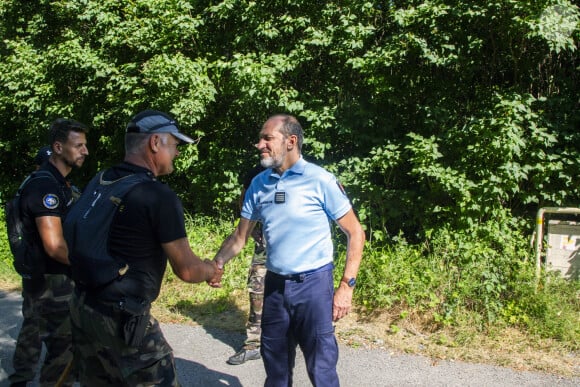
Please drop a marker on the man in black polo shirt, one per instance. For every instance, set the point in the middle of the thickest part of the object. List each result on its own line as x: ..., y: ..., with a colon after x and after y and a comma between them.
x: 115, y: 337
x: 45, y: 308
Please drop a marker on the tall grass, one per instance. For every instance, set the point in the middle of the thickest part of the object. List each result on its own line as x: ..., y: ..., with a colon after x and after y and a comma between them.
x: 484, y: 279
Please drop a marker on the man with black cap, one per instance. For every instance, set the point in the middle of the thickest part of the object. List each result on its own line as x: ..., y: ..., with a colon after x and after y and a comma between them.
x: 44, y: 203
x: 112, y: 343
x: 42, y: 156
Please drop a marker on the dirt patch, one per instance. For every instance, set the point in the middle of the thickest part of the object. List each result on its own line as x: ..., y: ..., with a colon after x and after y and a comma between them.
x: 508, y: 348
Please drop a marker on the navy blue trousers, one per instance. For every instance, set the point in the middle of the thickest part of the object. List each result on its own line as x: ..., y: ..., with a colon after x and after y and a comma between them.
x: 298, y: 311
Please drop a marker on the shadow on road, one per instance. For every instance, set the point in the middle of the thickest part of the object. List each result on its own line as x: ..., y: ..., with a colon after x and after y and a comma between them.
x: 203, y: 376
x: 211, y: 323
x: 191, y: 373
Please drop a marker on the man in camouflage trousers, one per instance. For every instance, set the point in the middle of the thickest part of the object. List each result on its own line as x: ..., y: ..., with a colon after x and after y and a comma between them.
x: 30, y: 348
x: 45, y: 306
x: 53, y: 301
x: 256, y: 275
x: 117, y: 342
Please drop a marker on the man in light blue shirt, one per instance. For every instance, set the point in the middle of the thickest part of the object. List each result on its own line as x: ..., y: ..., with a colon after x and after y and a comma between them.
x: 295, y: 201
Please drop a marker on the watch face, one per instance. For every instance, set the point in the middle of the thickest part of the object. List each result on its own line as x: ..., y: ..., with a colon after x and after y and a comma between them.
x: 352, y: 282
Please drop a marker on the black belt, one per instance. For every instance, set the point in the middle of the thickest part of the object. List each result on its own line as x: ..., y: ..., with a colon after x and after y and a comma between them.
x: 301, y: 276
x: 106, y: 307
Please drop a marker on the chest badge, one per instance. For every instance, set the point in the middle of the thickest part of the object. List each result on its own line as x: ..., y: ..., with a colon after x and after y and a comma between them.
x: 280, y: 197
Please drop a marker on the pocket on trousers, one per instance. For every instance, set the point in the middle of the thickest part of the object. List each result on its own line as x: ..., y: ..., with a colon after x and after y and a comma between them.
x: 134, y: 329
x: 328, y: 350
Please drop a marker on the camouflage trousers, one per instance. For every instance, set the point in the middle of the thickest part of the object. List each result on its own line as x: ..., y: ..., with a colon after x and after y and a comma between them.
x: 104, y: 359
x: 256, y: 275
x: 46, y: 320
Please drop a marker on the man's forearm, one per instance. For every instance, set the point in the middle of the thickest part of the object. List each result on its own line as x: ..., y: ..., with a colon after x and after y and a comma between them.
x: 59, y: 254
x: 354, y: 251
x: 229, y: 249
x: 352, y: 265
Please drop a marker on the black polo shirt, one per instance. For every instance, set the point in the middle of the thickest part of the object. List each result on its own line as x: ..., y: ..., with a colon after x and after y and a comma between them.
x: 45, y: 197
x: 151, y: 214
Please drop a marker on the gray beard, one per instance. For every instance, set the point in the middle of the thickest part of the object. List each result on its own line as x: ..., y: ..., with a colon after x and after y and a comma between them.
x: 270, y: 162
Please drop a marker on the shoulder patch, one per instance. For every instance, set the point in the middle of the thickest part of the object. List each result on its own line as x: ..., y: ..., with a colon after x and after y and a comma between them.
x: 50, y: 201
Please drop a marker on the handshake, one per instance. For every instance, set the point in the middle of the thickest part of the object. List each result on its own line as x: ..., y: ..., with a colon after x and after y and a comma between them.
x: 215, y: 280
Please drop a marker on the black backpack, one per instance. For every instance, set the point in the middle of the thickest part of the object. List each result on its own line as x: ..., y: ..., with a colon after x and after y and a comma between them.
x: 29, y: 257
x: 86, y: 230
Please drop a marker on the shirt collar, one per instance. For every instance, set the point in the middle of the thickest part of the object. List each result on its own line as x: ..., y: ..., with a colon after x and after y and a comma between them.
x: 299, y: 166
x: 48, y: 166
x: 297, y: 169
x: 123, y: 169
x: 133, y: 167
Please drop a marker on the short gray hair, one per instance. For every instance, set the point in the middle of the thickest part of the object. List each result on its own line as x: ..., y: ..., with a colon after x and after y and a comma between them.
x: 290, y: 126
x: 134, y: 142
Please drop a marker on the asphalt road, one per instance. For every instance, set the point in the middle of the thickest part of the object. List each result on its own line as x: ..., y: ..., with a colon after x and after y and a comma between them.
x: 201, y: 354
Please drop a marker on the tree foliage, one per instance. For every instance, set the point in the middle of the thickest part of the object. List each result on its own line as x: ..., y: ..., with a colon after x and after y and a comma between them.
x: 431, y: 113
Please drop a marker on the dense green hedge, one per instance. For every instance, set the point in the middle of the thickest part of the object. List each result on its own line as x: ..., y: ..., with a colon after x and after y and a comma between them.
x: 431, y: 112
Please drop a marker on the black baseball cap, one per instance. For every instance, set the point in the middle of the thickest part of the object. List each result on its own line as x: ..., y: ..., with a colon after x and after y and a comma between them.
x: 42, y: 155
x: 154, y: 121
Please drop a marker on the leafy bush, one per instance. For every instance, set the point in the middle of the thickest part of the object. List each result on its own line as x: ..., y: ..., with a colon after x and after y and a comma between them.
x: 485, y: 277
x: 7, y: 272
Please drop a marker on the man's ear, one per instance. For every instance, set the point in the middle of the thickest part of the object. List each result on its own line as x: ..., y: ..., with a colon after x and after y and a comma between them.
x: 154, y: 143
x: 57, y: 147
x: 292, y: 140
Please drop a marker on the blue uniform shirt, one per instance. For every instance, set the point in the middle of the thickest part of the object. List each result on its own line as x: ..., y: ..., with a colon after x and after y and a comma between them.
x: 295, y: 210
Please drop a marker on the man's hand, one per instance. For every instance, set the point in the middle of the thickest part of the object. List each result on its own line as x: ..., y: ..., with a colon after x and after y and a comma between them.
x: 257, y: 235
x: 342, y: 301
x: 216, y: 280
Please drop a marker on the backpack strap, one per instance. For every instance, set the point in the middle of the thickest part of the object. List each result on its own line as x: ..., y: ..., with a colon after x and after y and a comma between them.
x: 35, y: 175
x: 39, y: 175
